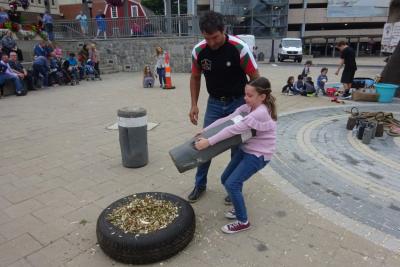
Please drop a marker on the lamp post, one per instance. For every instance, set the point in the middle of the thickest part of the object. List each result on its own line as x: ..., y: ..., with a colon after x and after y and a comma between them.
x: 90, y: 6
x: 179, y: 18
x: 272, y: 58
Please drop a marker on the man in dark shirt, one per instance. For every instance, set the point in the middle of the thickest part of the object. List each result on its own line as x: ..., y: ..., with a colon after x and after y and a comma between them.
x: 25, y: 76
x: 348, y: 59
x: 41, y: 66
x: 225, y: 61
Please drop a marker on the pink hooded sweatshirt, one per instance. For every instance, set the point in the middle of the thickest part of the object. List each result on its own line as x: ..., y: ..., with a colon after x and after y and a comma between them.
x: 263, y: 143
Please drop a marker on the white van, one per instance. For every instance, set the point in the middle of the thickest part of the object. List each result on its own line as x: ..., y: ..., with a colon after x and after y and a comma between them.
x: 250, y: 40
x: 290, y: 48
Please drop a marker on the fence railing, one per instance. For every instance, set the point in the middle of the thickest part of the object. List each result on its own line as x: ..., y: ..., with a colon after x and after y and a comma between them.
x: 127, y: 27
x: 158, y: 26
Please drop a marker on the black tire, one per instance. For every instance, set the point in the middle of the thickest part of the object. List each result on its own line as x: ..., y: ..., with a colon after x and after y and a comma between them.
x: 147, y: 248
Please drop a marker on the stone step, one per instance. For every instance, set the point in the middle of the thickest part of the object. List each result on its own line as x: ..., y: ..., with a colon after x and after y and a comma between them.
x: 107, y: 70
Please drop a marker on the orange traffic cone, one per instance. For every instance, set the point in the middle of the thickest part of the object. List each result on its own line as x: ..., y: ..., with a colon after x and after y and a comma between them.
x: 168, y: 80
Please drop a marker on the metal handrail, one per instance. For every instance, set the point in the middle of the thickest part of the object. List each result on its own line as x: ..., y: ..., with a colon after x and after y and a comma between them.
x: 158, y: 26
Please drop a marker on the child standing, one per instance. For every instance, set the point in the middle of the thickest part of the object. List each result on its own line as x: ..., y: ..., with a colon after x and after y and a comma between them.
x: 95, y: 58
x: 306, y: 69
x: 289, y: 85
x: 160, y: 65
x: 254, y: 154
x: 148, y: 78
x: 321, y: 81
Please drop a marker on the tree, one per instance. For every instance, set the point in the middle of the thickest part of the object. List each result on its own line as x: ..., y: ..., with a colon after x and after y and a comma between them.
x: 157, y: 6
x: 391, y: 72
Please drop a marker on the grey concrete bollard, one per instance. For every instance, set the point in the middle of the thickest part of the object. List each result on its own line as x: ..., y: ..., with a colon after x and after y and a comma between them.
x: 186, y: 156
x: 132, y: 126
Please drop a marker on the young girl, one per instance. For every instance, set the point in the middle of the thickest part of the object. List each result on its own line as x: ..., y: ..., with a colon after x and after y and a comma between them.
x: 289, y: 85
x: 160, y: 65
x: 148, y: 77
x: 94, y: 57
x: 254, y: 154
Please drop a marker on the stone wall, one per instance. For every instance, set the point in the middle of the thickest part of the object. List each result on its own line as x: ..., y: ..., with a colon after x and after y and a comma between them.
x: 134, y: 53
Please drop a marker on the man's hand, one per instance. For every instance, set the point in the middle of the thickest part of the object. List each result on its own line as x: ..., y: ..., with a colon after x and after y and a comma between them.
x: 194, y: 114
x: 21, y: 75
x: 201, y: 144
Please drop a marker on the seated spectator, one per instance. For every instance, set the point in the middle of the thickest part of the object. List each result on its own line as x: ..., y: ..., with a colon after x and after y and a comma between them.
x: 309, y: 87
x: 40, y: 49
x: 148, y: 78
x: 321, y: 81
x: 73, y: 68
x: 39, y: 24
x: 298, y: 87
x: 49, y: 48
x: 41, y: 68
x: 54, y: 70
x: 136, y: 29
x: 15, y: 17
x: 26, y: 77
x: 148, y: 29
x: 3, y: 15
x: 9, y: 44
x: 83, y: 57
x: 58, y: 52
x: 7, y: 73
x: 289, y: 86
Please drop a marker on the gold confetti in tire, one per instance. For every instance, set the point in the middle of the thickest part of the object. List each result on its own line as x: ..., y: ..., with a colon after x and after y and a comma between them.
x: 137, y: 230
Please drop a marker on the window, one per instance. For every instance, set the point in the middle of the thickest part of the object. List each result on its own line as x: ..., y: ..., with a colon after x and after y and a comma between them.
x: 114, y: 12
x: 293, y: 6
x: 134, y: 11
x: 317, y: 5
x: 53, y: 2
x: 32, y: 1
x: 39, y: 2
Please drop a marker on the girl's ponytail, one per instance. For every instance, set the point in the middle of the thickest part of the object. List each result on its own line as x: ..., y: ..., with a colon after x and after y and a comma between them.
x: 271, y: 105
x: 263, y: 86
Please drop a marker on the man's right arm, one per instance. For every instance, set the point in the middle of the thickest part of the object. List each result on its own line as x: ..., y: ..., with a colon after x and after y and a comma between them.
x: 195, y: 83
x: 341, y: 63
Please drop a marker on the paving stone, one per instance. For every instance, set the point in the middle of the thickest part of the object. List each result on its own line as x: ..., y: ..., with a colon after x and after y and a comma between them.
x: 4, y: 203
x: 23, y: 208
x: 49, y: 232
x: 16, y: 227
x: 345, y: 257
x: 17, y: 248
x: 58, y: 197
x: 20, y: 263
x: 51, y: 213
x: 55, y: 254
x: 89, y: 213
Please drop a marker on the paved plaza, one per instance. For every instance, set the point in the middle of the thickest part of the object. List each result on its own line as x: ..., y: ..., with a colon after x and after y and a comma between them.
x: 319, y: 203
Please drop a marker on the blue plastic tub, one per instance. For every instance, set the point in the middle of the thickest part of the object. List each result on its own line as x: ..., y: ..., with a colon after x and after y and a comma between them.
x: 386, y: 92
